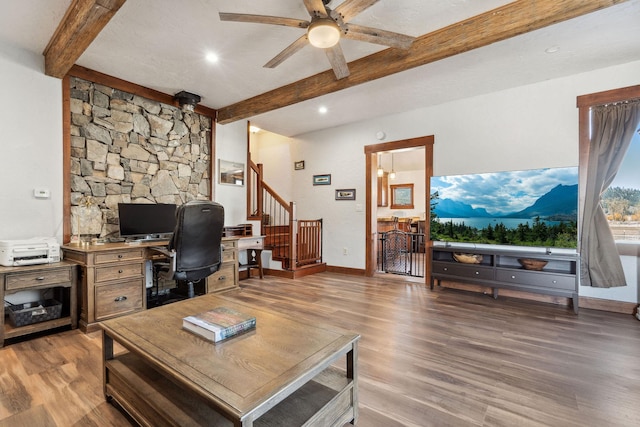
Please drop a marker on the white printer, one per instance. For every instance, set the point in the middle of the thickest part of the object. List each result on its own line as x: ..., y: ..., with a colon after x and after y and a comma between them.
x: 39, y: 250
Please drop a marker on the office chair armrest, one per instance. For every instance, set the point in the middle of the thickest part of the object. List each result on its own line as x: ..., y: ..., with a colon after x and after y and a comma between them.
x: 163, y: 250
x: 171, y: 255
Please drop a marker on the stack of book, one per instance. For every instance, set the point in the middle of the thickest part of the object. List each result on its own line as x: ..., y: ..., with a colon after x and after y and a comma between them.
x: 219, y: 323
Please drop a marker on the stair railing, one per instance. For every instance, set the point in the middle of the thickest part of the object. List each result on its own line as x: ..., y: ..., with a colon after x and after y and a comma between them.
x: 292, y: 241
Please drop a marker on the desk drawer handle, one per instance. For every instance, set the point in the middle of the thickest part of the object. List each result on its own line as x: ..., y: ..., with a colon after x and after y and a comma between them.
x: 222, y: 278
x: 120, y: 271
x: 119, y: 255
x: 120, y: 298
x: 40, y: 278
x: 477, y: 272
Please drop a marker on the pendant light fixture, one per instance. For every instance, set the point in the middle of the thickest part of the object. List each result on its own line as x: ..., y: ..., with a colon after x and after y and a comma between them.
x: 392, y: 174
x: 380, y: 170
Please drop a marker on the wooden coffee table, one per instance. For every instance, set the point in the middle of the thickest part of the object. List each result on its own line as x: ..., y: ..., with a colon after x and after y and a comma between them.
x: 285, y: 372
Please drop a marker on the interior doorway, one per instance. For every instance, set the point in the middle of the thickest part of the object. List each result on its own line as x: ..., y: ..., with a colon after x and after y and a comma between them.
x: 372, y: 163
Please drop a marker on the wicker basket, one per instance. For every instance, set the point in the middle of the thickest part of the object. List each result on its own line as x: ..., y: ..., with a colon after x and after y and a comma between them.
x: 532, y: 264
x: 467, y: 258
x: 34, y: 312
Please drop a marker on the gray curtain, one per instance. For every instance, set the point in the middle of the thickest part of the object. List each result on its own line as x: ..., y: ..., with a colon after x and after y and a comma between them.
x: 612, y: 128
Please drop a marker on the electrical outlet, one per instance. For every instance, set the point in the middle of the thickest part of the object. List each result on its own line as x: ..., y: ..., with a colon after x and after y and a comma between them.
x: 345, y: 251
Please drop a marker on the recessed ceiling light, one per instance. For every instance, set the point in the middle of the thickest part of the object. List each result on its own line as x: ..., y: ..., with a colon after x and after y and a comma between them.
x: 552, y: 49
x: 211, y: 57
x: 322, y: 110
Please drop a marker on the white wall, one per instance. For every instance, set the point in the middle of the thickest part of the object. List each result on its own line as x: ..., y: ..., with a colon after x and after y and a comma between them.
x: 231, y: 145
x: 271, y: 149
x: 31, y: 147
x: 526, y: 127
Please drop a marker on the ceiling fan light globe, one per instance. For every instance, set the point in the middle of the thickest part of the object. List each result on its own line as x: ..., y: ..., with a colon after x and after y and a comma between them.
x: 323, y: 33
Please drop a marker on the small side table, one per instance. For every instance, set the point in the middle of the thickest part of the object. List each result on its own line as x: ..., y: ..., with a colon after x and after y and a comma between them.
x: 60, y: 278
x: 253, y: 245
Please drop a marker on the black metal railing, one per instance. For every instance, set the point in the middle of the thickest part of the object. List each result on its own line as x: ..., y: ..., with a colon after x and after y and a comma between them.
x: 401, y: 252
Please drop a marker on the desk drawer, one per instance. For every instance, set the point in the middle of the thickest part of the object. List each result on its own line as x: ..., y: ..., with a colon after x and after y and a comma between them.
x: 118, y: 256
x: 119, y: 298
x: 223, y: 278
x: 120, y: 271
x: 38, y: 278
x: 229, y: 255
x: 251, y: 243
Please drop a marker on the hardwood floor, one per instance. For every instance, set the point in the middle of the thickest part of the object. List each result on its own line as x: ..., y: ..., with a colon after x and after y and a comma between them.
x: 426, y: 358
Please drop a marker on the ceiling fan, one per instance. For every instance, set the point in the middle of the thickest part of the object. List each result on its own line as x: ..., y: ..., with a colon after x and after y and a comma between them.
x: 325, y: 29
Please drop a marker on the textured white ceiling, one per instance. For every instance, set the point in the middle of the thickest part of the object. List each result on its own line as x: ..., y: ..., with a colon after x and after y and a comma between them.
x: 161, y: 44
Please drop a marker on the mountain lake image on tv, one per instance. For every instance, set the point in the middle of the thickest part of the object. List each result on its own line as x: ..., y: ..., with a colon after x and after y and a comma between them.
x: 537, y: 207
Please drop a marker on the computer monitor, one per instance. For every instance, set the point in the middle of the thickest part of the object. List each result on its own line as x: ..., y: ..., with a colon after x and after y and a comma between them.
x: 146, y: 221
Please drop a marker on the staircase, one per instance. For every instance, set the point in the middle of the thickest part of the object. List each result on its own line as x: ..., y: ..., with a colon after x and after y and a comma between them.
x: 296, y: 243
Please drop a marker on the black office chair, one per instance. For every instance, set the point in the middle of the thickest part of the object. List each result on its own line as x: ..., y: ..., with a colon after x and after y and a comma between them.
x: 195, y: 250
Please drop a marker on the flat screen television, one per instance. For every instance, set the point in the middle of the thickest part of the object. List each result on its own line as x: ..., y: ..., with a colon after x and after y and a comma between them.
x: 536, y: 207
x: 146, y: 220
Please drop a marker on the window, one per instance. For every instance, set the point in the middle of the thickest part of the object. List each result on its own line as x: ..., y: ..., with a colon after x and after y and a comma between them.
x: 621, y: 200
x: 402, y: 196
x: 608, y: 124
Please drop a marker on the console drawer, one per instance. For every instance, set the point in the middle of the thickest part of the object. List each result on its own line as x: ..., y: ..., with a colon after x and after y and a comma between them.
x: 119, y: 298
x: 469, y: 271
x: 120, y: 271
x: 537, y: 278
x: 38, y: 278
x: 118, y: 256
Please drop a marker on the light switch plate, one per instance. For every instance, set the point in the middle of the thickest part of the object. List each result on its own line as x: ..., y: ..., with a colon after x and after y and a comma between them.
x: 41, y: 193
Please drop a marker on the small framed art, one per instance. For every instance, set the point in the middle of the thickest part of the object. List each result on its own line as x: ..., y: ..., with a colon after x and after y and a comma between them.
x: 322, y: 179
x: 231, y: 173
x: 298, y: 165
x: 346, y: 194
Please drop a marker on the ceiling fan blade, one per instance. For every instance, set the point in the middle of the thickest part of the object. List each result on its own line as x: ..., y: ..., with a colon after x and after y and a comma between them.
x: 377, y: 36
x: 287, y: 52
x: 338, y: 62
x: 264, y: 19
x: 351, y: 8
x: 316, y: 8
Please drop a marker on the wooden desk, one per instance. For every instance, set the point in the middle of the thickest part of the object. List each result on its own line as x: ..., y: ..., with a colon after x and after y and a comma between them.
x: 59, y: 277
x: 254, y: 246
x: 278, y: 374
x: 112, y: 277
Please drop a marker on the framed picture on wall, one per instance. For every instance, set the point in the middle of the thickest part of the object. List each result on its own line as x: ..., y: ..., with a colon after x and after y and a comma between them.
x: 346, y: 194
x: 231, y: 173
x: 322, y: 179
x: 298, y: 165
x: 402, y: 196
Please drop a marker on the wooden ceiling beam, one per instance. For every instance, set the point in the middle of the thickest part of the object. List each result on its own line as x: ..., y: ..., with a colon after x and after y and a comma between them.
x: 80, y: 25
x: 510, y: 20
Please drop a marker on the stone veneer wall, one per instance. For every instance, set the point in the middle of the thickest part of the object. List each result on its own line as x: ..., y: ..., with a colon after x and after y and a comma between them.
x: 129, y: 149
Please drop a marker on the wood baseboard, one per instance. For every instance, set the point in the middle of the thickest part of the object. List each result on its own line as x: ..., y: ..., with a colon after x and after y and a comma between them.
x: 346, y: 270
x: 301, y: 272
x: 608, y: 305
